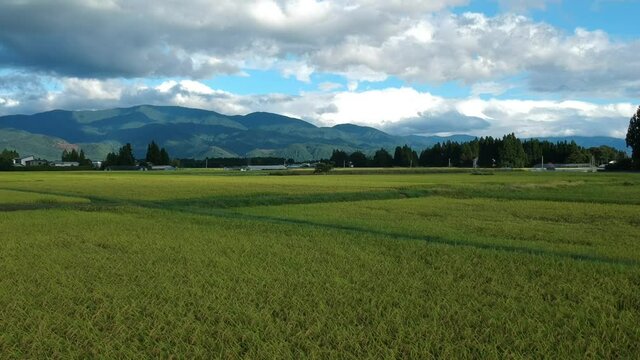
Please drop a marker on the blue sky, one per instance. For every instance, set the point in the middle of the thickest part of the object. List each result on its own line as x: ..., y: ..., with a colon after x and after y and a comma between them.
x: 534, y: 67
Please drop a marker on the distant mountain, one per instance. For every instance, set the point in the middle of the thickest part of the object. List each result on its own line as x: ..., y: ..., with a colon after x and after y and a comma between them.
x: 197, y: 133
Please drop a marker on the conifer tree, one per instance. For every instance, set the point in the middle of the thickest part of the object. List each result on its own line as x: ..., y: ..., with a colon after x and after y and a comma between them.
x: 633, y: 138
x: 153, y: 154
x: 164, y: 157
x: 512, y: 153
x: 382, y: 158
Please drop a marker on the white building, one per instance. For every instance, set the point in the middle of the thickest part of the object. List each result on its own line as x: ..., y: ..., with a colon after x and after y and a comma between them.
x: 266, y: 167
x: 65, y: 163
x: 23, y: 160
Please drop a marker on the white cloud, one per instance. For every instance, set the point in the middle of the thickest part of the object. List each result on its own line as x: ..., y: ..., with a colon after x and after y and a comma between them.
x: 401, y: 109
x: 490, y: 88
x: 92, y: 89
x: 329, y: 86
x: 379, y: 107
x: 364, y: 40
x: 8, y: 103
x: 525, y: 5
x: 392, y: 109
x: 298, y: 69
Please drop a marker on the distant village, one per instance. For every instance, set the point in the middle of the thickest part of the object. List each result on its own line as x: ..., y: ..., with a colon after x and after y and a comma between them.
x: 508, y: 152
x: 31, y: 161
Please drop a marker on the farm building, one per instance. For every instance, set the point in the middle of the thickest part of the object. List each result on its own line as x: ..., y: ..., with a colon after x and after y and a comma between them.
x: 125, y: 168
x: 266, y: 167
x: 37, y: 162
x: 64, y: 163
x: 162, y: 168
x: 23, y: 160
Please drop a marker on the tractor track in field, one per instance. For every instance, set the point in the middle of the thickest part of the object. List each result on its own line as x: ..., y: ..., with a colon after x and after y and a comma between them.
x: 221, y: 207
x: 233, y: 215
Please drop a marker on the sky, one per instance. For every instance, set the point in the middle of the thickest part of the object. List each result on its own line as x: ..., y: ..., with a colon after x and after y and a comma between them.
x: 428, y: 67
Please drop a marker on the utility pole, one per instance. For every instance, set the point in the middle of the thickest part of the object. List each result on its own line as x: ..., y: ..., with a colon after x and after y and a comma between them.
x: 206, y: 163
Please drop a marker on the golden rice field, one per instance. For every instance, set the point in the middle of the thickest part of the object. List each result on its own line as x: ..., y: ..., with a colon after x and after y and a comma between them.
x: 207, y: 264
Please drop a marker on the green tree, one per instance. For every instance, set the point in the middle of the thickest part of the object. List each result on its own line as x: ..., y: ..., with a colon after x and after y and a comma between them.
x: 382, y: 158
x: 433, y: 156
x: 322, y: 168
x: 511, y: 152
x: 468, y: 152
x: 358, y: 159
x: 339, y: 158
x: 633, y: 138
x: 488, y: 151
x: 405, y: 156
x: 124, y: 157
x: 6, y: 158
x: 604, y: 154
x: 111, y: 159
x: 153, y: 154
x: 164, y: 157
x: 533, y: 149
x: 75, y: 155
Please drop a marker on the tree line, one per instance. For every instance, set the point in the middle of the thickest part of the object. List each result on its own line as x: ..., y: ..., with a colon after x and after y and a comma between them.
x: 221, y: 162
x: 75, y: 156
x: 508, y: 151
x: 124, y: 156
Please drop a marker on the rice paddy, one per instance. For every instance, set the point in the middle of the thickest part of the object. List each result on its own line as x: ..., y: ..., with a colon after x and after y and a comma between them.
x: 202, y: 264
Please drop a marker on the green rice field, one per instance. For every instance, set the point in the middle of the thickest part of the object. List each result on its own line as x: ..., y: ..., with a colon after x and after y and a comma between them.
x: 212, y: 264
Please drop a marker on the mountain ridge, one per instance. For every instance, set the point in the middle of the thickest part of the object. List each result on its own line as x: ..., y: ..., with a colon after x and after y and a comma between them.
x: 197, y: 133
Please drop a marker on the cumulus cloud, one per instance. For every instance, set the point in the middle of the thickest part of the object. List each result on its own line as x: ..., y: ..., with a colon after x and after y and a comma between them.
x: 329, y: 86
x: 416, y: 40
x: 451, y: 122
x: 490, y: 88
x: 397, y: 110
x: 525, y: 5
x: 198, y: 38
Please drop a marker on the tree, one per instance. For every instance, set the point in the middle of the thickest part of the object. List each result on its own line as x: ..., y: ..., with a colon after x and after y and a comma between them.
x: 124, y: 157
x: 153, y: 153
x: 322, y: 168
x: 511, y: 152
x: 488, y: 151
x: 112, y: 159
x: 468, y: 152
x: 6, y: 158
x: 398, y: 157
x: 433, y: 156
x: 164, y: 157
x: 604, y: 154
x: 339, y: 158
x: 77, y: 156
x: 633, y: 138
x: 358, y: 159
x: 533, y: 149
x: 382, y: 158
x: 405, y: 156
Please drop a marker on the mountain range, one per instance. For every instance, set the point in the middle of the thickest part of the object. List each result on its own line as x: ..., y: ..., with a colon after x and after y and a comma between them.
x: 196, y: 133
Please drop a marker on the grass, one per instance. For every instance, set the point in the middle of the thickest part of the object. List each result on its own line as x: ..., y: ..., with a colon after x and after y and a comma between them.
x: 203, y: 264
